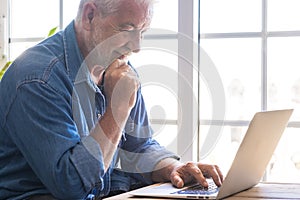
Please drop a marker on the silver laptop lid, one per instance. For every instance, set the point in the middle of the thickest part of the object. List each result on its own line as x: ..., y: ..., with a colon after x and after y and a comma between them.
x: 255, y: 151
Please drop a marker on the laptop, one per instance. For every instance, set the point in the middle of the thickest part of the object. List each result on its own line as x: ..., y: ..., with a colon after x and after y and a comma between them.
x: 248, y: 166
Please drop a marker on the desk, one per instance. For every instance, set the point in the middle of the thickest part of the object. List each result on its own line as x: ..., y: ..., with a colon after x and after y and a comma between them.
x: 260, y: 191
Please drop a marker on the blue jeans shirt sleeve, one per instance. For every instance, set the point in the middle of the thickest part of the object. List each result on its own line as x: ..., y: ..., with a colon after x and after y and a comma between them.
x: 66, y: 164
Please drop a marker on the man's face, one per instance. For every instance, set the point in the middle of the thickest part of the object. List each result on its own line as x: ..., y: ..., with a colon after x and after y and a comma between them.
x: 119, y: 34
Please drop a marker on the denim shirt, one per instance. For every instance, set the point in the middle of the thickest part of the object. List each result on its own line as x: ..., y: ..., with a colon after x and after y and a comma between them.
x: 48, y: 105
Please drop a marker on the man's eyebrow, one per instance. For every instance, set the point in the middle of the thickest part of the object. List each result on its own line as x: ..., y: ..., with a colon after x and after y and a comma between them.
x: 124, y: 25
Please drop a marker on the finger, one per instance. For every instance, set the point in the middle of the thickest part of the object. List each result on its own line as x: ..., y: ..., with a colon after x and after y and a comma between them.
x: 129, y: 72
x: 219, y: 181
x: 124, y: 67
x: 177, y: 181
x: 213, y: 171
x: 196, y: 173
x: 116, y: 64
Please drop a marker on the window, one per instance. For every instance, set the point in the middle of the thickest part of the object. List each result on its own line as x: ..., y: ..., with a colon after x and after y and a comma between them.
x: 255, y: 51
x: 30, y: 26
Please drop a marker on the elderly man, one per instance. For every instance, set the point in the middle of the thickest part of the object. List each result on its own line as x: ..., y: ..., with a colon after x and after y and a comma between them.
x: 73, y: 122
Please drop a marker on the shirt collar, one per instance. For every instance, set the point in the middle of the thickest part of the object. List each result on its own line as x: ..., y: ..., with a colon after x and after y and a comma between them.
x: 74, y: 60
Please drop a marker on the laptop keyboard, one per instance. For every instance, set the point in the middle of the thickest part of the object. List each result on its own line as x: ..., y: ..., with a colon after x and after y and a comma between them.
x: 199, y: 189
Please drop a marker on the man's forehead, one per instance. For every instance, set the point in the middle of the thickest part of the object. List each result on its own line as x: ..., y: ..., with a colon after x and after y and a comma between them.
x: 137, y: 16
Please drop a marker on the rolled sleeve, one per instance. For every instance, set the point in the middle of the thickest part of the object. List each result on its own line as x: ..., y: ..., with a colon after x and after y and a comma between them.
x: 142, y: 161
x: 88, y: 159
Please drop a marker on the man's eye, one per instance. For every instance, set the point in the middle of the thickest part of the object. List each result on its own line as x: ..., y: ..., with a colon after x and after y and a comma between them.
x: 127, y: 30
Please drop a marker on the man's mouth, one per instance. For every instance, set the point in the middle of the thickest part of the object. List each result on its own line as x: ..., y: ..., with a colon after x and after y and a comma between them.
x: 124, y: 56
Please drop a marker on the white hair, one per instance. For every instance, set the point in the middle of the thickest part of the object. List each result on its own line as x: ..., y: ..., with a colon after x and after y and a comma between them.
x: 107, y: 7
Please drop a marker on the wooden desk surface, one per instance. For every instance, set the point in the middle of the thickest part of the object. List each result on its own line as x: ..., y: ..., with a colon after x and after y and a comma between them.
x: 260, y: 191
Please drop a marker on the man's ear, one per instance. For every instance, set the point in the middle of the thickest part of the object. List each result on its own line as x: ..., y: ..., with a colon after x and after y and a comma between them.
x: 88, y: 14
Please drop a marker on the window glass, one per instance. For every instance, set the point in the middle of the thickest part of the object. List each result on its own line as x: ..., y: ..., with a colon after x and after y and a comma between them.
x: 157, y: 65
x: 283, y: 15
x: 166, y: 135
x: 33, y: 18
x: 225, y: 147
x: 285, y: 163
x: 206, y: 105
x: 161, y: 101
x: 238, y: 63
x: 165, y: 15
x: 230, y: 16
x: 70, y: 8
x: 283, y: 81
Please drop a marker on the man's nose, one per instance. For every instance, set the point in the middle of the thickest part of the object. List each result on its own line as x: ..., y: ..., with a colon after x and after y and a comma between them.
x: 135, y: 42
